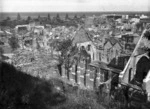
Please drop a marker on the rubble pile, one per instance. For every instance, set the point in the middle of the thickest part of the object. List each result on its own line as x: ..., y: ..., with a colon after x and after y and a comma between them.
x: 38, y: 63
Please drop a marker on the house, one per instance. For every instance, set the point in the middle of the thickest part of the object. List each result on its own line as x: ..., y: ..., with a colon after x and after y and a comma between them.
x: 127, y: 27
x: 122, y: 60
x: 144, y: 21
x: 111, y: 62
x: 83, y: 41
x: 111, y: 49
x: 129, y: 39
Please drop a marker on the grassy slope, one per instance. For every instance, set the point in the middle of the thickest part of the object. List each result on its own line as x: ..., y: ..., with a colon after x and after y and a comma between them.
x: 21, y: 91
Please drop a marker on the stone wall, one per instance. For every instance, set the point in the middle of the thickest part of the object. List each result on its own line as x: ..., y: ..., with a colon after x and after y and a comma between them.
x: 81, y: 76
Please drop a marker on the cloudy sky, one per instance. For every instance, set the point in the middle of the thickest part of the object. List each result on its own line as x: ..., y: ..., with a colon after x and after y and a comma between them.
x: 73, y: 5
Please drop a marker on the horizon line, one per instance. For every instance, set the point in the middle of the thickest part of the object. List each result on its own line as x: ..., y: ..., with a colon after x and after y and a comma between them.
x: 74, y: 11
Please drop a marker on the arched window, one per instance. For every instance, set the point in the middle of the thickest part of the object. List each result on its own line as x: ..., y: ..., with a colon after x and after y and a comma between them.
x: 82, y: 47
x: 116, y: 52
x: 89, y: 47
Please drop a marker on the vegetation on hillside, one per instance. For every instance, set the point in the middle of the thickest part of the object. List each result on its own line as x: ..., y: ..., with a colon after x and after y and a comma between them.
x: 22, y: 91
x: 67, y: 53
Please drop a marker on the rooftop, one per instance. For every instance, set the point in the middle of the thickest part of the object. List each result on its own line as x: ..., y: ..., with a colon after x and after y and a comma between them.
x: 81, y: 36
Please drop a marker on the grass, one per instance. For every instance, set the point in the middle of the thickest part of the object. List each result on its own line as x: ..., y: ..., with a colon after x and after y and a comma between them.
x: 19, y: 90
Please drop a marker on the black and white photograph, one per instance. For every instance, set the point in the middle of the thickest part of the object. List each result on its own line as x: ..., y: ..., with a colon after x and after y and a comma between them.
x: 74, y: 54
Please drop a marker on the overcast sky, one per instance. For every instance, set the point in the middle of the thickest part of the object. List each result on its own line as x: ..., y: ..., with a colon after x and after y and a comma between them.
x: 73, y: 5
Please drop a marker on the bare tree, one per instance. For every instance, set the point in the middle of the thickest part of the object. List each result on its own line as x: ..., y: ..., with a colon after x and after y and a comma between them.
x: 67, y: 53
x: 66, y: 17
x: 48, y: 17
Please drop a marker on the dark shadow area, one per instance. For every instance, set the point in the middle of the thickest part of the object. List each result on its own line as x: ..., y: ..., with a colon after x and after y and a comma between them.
x: 22, y: 91
x: 119, y: 63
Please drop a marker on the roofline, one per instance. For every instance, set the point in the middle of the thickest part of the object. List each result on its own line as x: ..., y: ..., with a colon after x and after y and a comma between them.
x: 112, y: 44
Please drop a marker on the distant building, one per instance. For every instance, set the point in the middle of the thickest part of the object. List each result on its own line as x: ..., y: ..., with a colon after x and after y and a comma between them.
x: 145, y: 21
x: 111, y: 49
x: 89, y: 21
x: 83, y: 40
x: 22, y: 28
x: 129, y: 41
x: 114, y: 16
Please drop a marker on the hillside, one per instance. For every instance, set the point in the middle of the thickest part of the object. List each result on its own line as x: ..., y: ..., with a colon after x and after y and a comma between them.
x: 19, y: 90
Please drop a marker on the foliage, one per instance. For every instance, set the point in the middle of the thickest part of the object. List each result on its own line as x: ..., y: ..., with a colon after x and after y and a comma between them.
x: 13, y: 42
x: 57, y: 16
x: 28, y: 19
x: 39, y: 17
x: 8, y: 18
x: 82, y: 99
x: 48, y: 17
x: 147, y: 35
x: 83, y: 16
x: 66, y: 53
x: 75, y: 16
x: 21, y: 91
x: 18, y: 17
x: 66, y: 17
